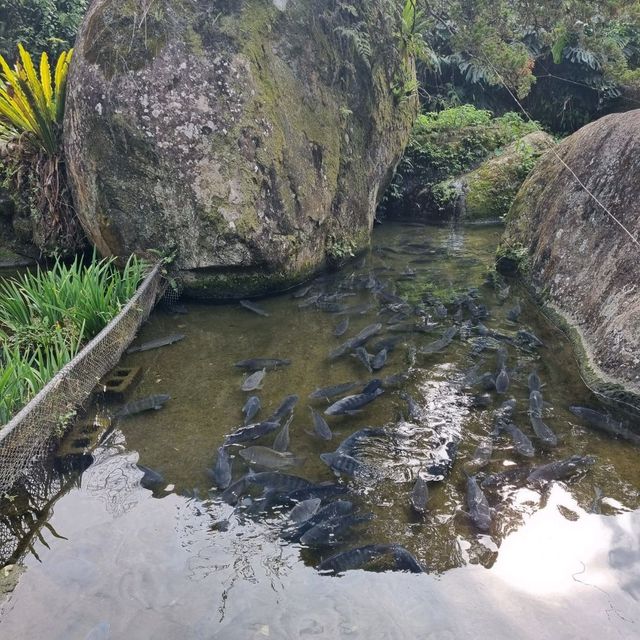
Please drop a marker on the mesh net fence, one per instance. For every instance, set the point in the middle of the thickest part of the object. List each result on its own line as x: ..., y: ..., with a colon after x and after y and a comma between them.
x: 27, y: 437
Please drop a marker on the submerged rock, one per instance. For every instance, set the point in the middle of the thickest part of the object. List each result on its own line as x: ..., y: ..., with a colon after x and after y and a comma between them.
x: 251, y: 139
x: 569, y: 247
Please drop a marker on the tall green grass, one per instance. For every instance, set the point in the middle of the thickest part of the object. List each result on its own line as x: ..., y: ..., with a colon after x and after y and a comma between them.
x: 46, y: 317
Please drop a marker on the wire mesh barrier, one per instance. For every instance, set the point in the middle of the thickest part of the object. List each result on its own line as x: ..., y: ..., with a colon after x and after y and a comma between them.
x: 28, y: 435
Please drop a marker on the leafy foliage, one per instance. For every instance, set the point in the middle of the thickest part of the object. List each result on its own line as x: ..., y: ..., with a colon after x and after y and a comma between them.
x: 40, y: 25
x: 32, y: 103
x: 46, y: 316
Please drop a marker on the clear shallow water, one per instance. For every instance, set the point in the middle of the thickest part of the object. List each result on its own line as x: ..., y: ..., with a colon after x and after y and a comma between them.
x: 121, y: 562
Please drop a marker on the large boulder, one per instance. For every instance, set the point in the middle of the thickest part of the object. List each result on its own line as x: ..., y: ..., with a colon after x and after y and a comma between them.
x: 250, y: 139
x: 576, y: 237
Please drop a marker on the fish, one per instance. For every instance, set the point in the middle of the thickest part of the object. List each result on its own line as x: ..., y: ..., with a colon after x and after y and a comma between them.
x: 278, y: 481
x: 441, y: 343
x: 342, y: 463
x: 521, y: 442
x: 561, y: 469
x: 528, y: 339
x: 514, y: 313
x: 361, y: 556
x: 150, y: 479
x: 281, y: 442
x: 327, y: 513
x: 395, y: 380
x: 270, y: 458
x: 349, y: 404
x: 365, y: 358
x: 356, y: 341
x: 335, y: 390
x: 605, y: 423
x: 234, y: 491
x: 502, y: 381
x: 415, y: 411
x: 285, y: 407
x: 482, y: 454
x: 379, y: 360
x: 341, y: 328
x: 478, y: 505
x: 134, y: 407
x: 536, y: 404
x: 349, y: 444
x: 254, y: 381
x: 371, y: 386
x: 320, y: 426
x: 443, y: 459
x: 544, y: 433
x: 323, y: 491
x: 158, y: 342
x: 250, y: 409
x: 510, y: 476
x: 419, y: 495
x: 222, y: 469
x: 304, y: 510
x: 250, y: 306
x: 309, y: 302
x: 301, y: 293
x: 251, y: 432
x: 503, y: 415
x: 533, y: 382
x: 481, y: 401
x: 256, y: 364
x: 328, y: 533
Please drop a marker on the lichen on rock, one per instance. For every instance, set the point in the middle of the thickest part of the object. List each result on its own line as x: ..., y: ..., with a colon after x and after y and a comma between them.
x: 239, y: 136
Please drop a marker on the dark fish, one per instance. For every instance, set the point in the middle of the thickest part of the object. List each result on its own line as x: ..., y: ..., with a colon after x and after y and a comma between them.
x: 158, y: 342
x: 457, y: 316
x: 233, y: 492
x: 536, y: 404
x: 322, y: 491
x: 440, y: 310
x: 150, y: 479
x: 144, y: 404
x: 365, y: 358
x: 270, y: 458
x: 341, y: 463
x: 352, y: 403
x: 514, y: 313
x: 371, y: 386
x: 357, y: 340
x: 301, y: 293
x: 222, y: 469
x: 379, y: 360
x: 415, y: 411
x: 327, y: 513
x: 254, y: 381
x: 533, y: 382
x: 328, y: 533
x: 561, y: 469
x: 335, y: 390
x: 349, y: 444
x: 356, y: 310
x: 529, y: 339
x: 503, y: 415
x: 396, y: 380
x: 605, y: 423
x: 247, y: 304
x: 309, y: 302
x: 441, y: 343
x: 251, y: 432
x: 250, y: 409
x: 419, y: 495
x: 502, y: 381
x: 362, y: 556
x: 544, y: 433
x: 479, y: 510
x: 482, y: 455
x: 341, y: 328
x: 285, y: 408
x: 481, y: 401
x: 510, y: 476
x: 256, y: 364
x: 304, y: 510
x: 521, y: 442
x: 278, y: 481
x: 320, y: 426
x: 281, y: 442
x: 443, y: 459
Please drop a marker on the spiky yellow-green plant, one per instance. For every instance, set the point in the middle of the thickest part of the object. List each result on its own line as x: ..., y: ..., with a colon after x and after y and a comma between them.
x: 32, y: 102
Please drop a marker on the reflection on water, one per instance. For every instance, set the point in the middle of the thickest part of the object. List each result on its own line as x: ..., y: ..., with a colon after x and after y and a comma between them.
x: 559, y: 560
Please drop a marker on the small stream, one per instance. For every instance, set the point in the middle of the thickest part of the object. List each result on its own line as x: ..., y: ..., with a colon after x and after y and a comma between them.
x: 124, y: 555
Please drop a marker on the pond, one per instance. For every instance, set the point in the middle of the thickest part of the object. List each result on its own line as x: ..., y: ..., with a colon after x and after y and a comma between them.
x: 127, y: 555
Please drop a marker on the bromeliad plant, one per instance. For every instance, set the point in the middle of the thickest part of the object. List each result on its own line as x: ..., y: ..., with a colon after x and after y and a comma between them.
x: 32, y: 104
x: 31, y: 158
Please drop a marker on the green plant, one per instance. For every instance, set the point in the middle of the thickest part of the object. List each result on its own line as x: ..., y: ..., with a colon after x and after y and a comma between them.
x: 46, y: 316
x: 339, y: 249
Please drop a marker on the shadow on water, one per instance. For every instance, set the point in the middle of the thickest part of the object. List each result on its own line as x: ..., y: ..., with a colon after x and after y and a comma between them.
x: 174, y: 556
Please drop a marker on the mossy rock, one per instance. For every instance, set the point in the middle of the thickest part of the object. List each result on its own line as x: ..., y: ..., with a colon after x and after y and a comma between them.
x: 241, y: 137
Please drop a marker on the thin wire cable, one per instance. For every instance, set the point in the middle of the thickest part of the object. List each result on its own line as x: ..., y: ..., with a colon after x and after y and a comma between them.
x: 557, y: 155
